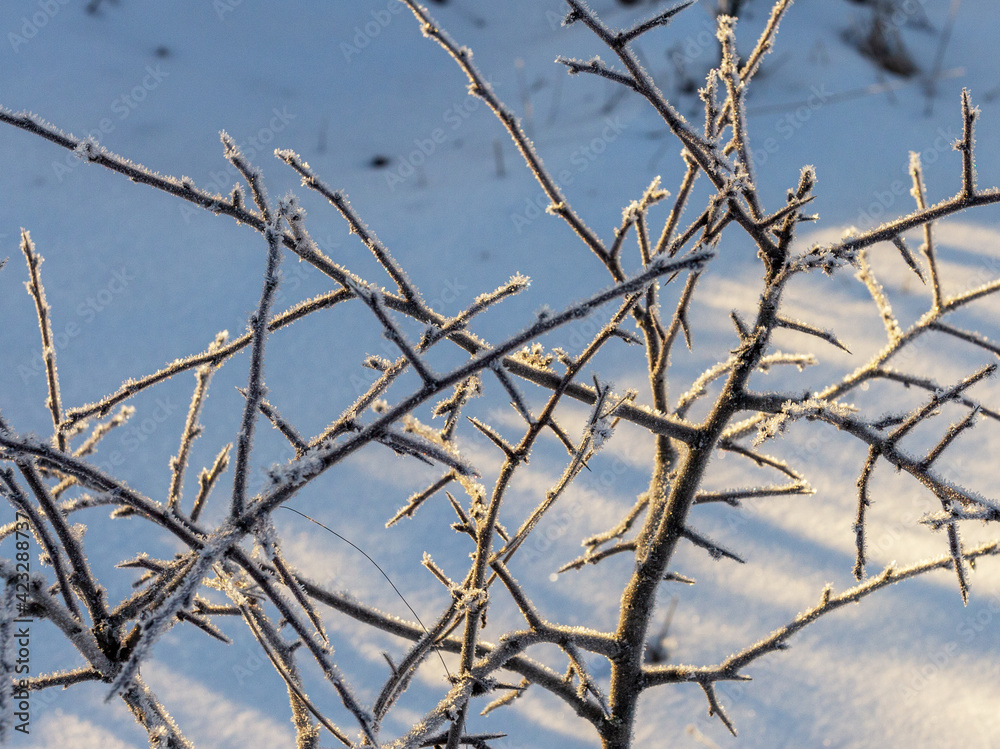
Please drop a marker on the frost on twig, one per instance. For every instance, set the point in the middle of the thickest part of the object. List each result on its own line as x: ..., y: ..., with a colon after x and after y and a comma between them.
x: 657, y: 285
x: 258, y: 329
x: 42, y: 308
x: 192, y: 429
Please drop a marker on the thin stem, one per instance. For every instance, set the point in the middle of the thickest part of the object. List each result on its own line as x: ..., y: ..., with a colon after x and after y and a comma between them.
x: 37, y: 292
x: 480, y: 88
x: 255, y: 388
x: 192, y: 429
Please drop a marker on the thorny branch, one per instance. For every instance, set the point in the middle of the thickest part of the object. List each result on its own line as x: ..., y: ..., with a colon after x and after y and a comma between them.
x: 217, y: 576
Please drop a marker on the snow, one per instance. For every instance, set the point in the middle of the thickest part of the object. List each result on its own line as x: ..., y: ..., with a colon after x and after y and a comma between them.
x: 136, y: 278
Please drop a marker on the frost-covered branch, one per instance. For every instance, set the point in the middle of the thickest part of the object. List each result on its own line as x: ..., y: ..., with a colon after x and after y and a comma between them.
x: 236, y: 564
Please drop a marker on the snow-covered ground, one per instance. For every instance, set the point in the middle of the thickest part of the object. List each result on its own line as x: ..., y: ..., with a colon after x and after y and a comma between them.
x: 136, y: 278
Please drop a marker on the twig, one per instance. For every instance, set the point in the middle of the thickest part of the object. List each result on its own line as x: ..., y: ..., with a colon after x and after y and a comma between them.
x: 480, y: 88
x: 207, y: 479
x: 916, y: 173
x: 258, y: 326
x: 192, y: 429
x: 37, y: 292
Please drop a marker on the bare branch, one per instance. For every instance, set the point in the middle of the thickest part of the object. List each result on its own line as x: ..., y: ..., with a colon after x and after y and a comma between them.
x: 414, y: 502
x: 258, y: 327
x: 660, y: 19
x: 596, y: 66
x: 192, y: 429
x: 867, y: 277
x: 918, y: 192
x: 802, y: 327
x: 777, y: 640
x: 715, y: 550
x: 37, y: 292
x: 115, y: 640
x: 714, y: 708
x: 207, y: 479
x: 909, y: 258
x: 967, y: 146
x: 479, y: 88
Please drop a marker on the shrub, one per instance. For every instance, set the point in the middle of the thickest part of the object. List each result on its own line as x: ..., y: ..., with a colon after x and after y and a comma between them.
x: 237, y: 567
